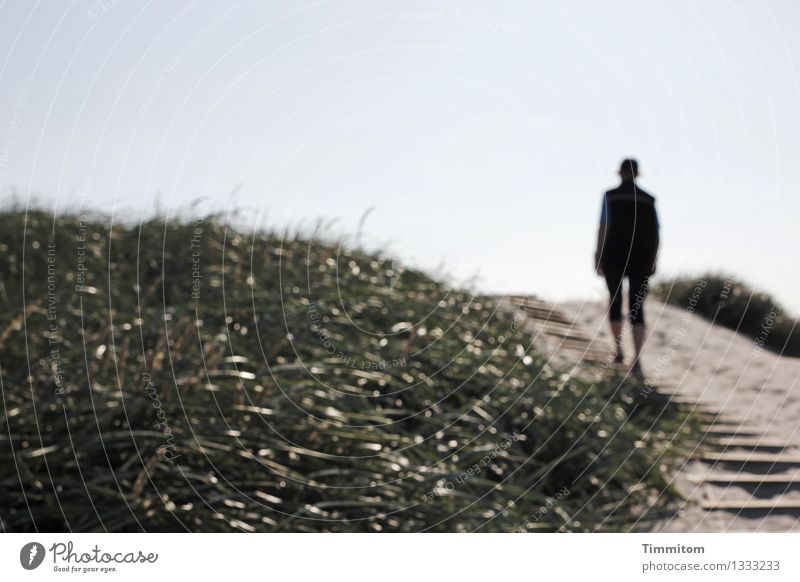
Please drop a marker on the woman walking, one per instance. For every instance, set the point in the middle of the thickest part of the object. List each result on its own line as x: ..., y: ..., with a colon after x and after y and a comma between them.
x: 627, y: 246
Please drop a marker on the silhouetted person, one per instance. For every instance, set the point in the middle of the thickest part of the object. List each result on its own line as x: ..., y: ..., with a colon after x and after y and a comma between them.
x: 627, y: 246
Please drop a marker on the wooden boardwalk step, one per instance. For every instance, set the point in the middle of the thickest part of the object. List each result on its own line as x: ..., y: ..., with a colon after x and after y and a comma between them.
x: 707, y: 406
x: 557, y: 325
x: 725, y: 424
x: 566, y: 335
x: 716, y: 429
x: 545, y: 315
x: 777, y: 459
x: 747, y: 478
x: 753, y: 443
x: 715, y: 419
x: 580, y: 347
x: 717, y: 416
x: 681, y: 399
x: 695, y: 407
x: 753, y: 504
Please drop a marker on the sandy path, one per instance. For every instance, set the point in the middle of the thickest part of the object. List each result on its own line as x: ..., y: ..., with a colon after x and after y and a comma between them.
x: 728, y: 373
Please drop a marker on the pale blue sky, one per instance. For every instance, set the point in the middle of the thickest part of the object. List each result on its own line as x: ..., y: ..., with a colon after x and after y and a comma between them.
x: 483, y: 133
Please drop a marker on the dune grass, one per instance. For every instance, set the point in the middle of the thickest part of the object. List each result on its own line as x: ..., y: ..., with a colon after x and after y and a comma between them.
x: 190, y: 376
x: 736, y: 305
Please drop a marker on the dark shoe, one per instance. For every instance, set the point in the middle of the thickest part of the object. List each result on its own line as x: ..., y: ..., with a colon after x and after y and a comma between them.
x: 636, y: 370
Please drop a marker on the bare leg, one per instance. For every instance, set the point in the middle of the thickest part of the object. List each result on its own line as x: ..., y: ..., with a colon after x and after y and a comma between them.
x: 616, y: 331
x: 638, y: 340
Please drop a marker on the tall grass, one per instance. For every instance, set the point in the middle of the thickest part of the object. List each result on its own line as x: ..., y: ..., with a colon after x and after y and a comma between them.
x: 737, y: 306
x: 191, y: 376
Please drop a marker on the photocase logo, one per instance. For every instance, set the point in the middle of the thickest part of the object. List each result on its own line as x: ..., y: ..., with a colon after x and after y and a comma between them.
x: 31, y: 555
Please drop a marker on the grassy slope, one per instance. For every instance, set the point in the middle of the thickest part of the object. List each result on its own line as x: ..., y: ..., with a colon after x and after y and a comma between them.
x: 271, y: 431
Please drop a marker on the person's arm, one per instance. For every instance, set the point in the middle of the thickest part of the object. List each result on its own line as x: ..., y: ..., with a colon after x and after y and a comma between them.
x: 655, y: 251
x: 656, y: 241
x: 601, y: 237
x: 598, y: 255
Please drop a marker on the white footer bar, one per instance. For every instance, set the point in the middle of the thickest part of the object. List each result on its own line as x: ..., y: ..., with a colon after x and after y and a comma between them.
x: 400, y: 557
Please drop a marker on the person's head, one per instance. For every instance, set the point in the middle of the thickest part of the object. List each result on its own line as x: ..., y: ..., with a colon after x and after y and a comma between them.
x: 628, y: 169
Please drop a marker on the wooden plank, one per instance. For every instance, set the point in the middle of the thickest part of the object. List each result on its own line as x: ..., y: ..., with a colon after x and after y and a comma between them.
x: 548, y: 328
x: 752, y: 504
x: 572, y: 330
x: 777, y: 458
x: 719, y: 429
x: 540, y: 307
x: 569, y: 347
x: 544, y: 319
x: 560, y: 323
x: 753, y: 442
x: 544, y: 315
x: 696, y: 407
x: 685, y: 400
x: 569, y: 337
x: 715, y: 419
x: 747, y: 478
x: 536, y: 303
x: 573, y: 344
x: 581, y: 351
x: 715, y: 414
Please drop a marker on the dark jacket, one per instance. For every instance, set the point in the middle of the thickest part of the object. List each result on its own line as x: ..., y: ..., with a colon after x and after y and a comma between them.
x: 631, y: 239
